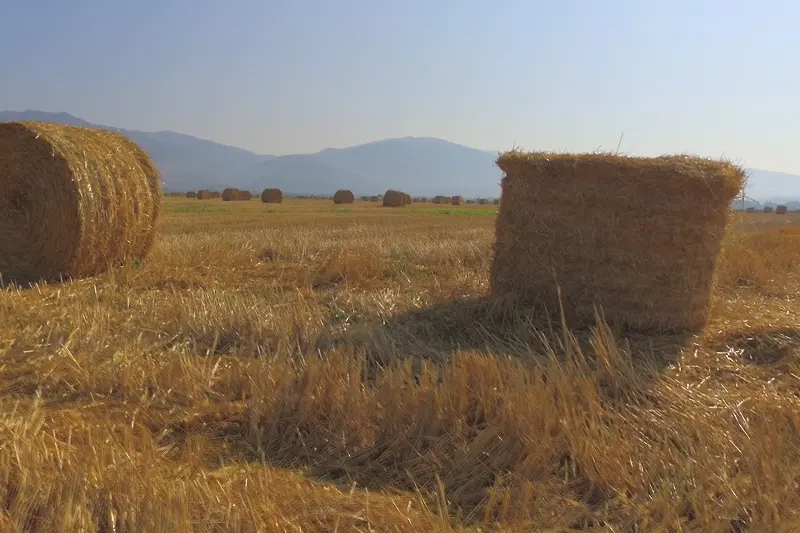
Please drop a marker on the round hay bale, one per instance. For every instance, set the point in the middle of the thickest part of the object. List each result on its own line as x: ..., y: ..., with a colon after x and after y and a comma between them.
x: 438, y: 199
x: 482, y: 201
x: 457, y: 200
x: 215, y: 194
x: 74, y: 201
x: 407, y: 198
x: 203, y: 194
x: 768, y: 209
x: 373, y: 198
x: 245, y: 196
x: 343, y: 196
x: 191, y: 194
x: 394, y: 198
x: 231, y: 194
x: 272, y: 196
x: 470, y: 202
x: 364, y: 198
x: 781, y: 210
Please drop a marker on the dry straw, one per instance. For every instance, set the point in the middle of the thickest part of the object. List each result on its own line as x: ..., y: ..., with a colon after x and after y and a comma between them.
x: 271, y: 196
x: 457, y: 200
x: 343, y: 196
x: 191, y: 194
x: 392, y: 198
x: 768, y: 209
x: 781, y: 210
x: 639, y: 237
x: 231, y: 194
x: 74, y: 201
x: 203, y: 194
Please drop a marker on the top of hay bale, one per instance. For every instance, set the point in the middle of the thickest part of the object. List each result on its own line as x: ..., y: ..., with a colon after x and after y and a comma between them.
x: 73, y: 201
x: 678, y: 174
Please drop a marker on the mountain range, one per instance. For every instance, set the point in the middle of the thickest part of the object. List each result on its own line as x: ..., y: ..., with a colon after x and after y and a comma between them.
x: 418, y: 165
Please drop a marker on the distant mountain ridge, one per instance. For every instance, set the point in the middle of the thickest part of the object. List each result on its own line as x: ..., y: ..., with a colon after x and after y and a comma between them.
x: 419, y: 165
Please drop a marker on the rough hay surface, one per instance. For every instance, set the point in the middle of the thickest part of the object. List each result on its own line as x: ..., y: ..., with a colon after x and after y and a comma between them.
x: 394, y: 198
x: 231, y: 194
x: 638, y: 236
x: 343, y: 196
x: 271, y: 196
x: 457, y: 200
x: 780, y: 210
x: 203, y: 194
x: 245, y: 196
x: 74, y: 201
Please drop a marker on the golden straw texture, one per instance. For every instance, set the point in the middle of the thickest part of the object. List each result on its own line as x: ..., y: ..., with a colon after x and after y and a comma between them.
x: 73, y: 201
x: 343, y: 196
x: 637, y: 236
x: 271, y: 196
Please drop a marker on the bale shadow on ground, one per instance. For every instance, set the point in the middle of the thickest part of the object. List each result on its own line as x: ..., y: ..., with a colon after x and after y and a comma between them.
x: 487, y: 326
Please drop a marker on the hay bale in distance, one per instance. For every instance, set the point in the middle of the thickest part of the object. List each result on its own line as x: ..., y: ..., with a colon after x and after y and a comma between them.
x: 343, y: 196
x: 191, y: 194
x: 469, y: 202
x: 483, y: 201
x: 215, y: 194
x: 271, y: 196
x: 781, y: 210
x: 364, y: 198
x: 73, y: 201
x: 373, y: 198
x: 650, y: 267
x: 496, y: 201
x: 231, y: 194
x: 203, y: 194
x: 245, y: 196
x: 750, y: 210
x: 394, y: 198
x: 438, y: 199
x: 456, y: 200
x: 768, y: 209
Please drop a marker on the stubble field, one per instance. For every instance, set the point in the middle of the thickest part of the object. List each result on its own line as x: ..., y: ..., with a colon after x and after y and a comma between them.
x: 311, y: 367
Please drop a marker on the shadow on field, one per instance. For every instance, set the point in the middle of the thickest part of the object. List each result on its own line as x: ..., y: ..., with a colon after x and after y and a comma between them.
x: 485, y: 326
x: 763, y: 347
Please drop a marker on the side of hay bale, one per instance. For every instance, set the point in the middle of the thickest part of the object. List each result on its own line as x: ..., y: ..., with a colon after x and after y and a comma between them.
x: 650, y: 266
x: 271, y: 196
x: 191, y: 194
x: 343, y: 196
x: 231, y: 194
x: 768, y: 209
x: 392, y: 198
x: 203, y: 194
x: 215, y: 194
x: 456, y: 200
x: 781, y: 210
x: 75, y: 201
x: 483, y: 201
x: 245, y: 196
x: 438, y: 199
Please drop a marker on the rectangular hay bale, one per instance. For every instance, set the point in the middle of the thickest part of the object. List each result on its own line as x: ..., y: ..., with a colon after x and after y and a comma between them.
x: 638, y: 237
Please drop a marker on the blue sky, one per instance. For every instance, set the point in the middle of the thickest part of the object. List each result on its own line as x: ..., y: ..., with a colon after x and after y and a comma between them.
x: 705, y: 76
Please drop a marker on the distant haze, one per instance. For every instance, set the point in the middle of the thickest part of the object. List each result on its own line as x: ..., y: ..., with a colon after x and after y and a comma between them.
x: 421, y: 166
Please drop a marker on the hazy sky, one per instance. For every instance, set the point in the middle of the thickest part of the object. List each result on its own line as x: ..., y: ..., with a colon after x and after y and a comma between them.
x: 716, y: 78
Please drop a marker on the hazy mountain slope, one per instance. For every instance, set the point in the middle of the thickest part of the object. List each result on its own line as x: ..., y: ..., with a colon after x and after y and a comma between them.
x: 419, y: 165
x: 185, y: 162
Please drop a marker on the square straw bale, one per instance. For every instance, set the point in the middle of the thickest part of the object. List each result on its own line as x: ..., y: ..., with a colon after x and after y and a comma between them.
x: 637, y: 237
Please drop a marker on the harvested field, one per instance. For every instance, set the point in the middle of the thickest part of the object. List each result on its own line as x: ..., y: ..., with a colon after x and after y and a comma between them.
x: 303, y: 370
